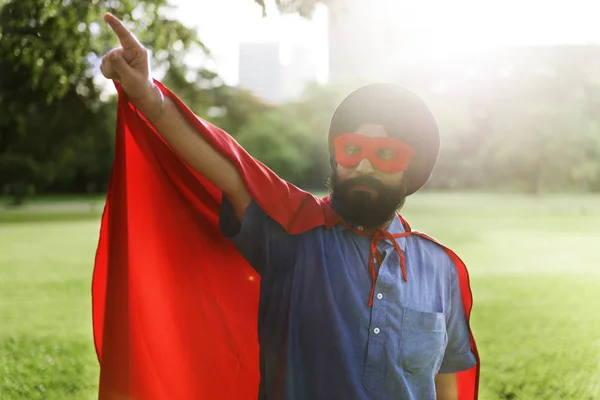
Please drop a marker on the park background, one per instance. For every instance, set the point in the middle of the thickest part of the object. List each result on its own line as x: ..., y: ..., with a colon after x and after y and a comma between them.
x: 516, y: 192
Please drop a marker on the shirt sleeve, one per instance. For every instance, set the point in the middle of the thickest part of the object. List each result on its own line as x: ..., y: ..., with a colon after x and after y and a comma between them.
x: 458, y: 356
x: 259, y: 238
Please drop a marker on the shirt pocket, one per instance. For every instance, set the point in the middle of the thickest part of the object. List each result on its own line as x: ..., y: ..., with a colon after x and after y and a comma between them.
x: 423, y: 340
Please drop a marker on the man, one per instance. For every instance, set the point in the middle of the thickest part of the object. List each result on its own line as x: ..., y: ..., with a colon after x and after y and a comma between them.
x: 353, y: 304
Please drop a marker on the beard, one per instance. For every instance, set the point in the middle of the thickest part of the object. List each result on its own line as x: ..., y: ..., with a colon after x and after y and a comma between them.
x: 364, y: 207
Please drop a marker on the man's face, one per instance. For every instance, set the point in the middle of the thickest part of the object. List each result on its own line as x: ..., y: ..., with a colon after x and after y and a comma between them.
x: 363, y: 194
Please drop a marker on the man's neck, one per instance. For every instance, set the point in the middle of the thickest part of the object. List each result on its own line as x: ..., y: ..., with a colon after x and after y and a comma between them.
x: 387, y: 223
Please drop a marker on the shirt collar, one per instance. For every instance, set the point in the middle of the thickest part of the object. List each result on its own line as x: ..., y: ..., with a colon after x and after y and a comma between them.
x: 394, y: 227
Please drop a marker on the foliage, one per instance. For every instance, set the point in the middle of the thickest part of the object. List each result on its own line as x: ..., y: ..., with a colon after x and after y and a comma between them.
x: 281, y: 142
x: 304, y: 8
x: 57, y: 135
x: 53, y: 118
x: 523, y: 119
x: 534, y: 127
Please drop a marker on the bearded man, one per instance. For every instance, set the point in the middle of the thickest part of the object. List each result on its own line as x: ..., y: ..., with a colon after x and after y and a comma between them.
x: 352, y: 303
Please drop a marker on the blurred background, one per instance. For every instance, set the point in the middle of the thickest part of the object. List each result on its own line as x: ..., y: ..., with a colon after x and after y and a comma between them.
x: 515, y: 87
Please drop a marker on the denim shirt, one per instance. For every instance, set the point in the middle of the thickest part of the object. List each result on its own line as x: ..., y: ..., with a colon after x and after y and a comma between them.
x: 318, y: 337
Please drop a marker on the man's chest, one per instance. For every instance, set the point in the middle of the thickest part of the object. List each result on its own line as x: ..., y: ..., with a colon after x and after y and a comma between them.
x: 333, y: 272
x: 323, y: 297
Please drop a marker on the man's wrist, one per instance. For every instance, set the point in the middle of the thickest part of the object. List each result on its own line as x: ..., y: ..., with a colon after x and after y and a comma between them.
x: 152, y: 104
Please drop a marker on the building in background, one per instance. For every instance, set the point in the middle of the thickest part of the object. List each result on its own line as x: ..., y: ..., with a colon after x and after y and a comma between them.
x: 260, y: 70
x: 275, y: 73
x: 299, y: 69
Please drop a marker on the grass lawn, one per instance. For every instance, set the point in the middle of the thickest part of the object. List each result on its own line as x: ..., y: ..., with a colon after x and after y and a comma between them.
x: 535, y: 272
x: 46, y: 348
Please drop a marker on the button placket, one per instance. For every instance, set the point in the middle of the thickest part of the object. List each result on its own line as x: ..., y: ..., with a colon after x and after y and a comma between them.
x: 374, y: 369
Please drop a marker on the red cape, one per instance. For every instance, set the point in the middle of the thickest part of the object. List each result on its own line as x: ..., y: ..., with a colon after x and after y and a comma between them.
x: 174, y: 304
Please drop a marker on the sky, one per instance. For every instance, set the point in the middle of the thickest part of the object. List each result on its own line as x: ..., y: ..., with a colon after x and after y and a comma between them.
x: 439, y: 26
x: 460, y: 24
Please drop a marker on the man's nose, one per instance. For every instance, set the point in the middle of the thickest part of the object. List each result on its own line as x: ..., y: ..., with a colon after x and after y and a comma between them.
x: 365, y: 167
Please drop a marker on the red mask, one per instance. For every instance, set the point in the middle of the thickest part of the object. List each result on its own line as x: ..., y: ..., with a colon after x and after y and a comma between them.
x: 385, y: 153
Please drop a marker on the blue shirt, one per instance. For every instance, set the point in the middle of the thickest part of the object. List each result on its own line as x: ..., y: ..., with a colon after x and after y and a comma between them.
x: 318, y: 337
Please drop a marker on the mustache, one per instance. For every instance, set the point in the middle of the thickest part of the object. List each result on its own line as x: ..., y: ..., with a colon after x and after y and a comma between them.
x: 362, y: 180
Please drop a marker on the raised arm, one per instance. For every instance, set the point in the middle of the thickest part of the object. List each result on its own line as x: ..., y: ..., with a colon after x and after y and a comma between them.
x: 130, y: 66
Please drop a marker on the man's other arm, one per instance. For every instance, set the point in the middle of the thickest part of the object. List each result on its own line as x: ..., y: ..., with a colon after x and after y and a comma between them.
x: 446, y: 387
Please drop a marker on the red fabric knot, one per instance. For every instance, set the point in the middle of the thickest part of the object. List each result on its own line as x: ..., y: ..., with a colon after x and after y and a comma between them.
x: 376, y: 237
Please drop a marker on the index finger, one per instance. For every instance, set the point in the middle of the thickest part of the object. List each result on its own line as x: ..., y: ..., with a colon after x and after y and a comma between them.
x: 125, y: 36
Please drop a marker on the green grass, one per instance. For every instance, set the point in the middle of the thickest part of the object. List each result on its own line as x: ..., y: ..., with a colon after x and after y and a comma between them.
x: 46, y: 347
x: 535, y: 272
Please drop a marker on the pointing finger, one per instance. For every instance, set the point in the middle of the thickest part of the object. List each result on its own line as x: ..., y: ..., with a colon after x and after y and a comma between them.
x: 126, y: 38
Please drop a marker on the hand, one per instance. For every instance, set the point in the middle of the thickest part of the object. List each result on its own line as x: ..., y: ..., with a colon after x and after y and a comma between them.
x: 129, y: 64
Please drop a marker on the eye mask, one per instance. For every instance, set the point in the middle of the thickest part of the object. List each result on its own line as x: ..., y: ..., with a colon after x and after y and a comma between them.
x: 385, y: 153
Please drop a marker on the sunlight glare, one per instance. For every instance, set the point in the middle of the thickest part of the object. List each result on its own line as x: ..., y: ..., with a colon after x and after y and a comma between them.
x: 441, y: 29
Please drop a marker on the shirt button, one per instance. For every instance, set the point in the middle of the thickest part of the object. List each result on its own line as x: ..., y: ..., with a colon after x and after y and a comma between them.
x: 376, y: 331
x: 360, y: 228
x: 379, y: 296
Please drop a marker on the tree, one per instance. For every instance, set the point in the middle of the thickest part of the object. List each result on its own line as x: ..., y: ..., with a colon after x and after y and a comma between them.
x: 53, y: 119
x: 305, y: 8
x: 55, y: 133
x: 281, y: 142
x: 523, y: 118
